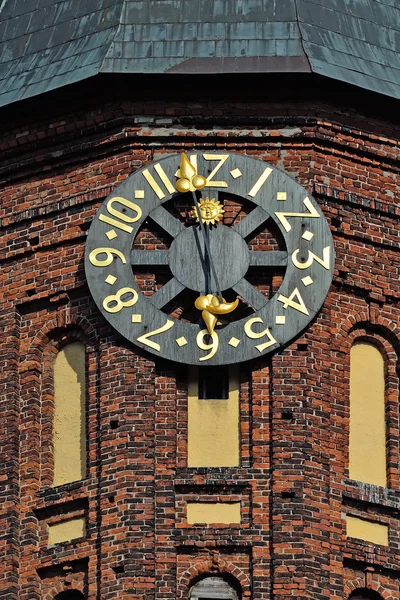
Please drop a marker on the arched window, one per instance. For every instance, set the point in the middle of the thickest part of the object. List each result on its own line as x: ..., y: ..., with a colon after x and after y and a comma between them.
x: 213, y: 588
x: 69, y: 424
x: 364, y: 594
x: 70, y: 595
x: 367, y: 446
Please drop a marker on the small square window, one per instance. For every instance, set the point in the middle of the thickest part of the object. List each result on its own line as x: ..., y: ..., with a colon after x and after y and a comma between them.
x: 214, y: 383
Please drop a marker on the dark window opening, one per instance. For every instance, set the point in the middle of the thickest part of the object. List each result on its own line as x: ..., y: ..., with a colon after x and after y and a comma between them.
x: 70, y: 595
x: 214, y: 383
x: 365, y: 594
x: 213, y: 588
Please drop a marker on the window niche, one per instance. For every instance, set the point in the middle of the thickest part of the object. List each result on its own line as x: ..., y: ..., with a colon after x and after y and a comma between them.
x: 213, y: 417
x: 69, y: 421
x: 367, y: 443
x: 365, y: 594
x: 213, y: 588
x: 70, y: 595
x: 213, y: 383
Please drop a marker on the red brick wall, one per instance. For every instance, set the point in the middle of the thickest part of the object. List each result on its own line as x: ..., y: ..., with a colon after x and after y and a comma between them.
x: 293, y: 482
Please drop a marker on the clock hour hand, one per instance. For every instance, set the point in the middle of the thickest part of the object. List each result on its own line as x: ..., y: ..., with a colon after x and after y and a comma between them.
x: 211, y: 307
x: 207, y: 246
x: 190, y: 180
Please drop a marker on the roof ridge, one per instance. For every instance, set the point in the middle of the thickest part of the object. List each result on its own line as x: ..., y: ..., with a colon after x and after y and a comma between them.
x: 117, y: 30
x: 301, y: 33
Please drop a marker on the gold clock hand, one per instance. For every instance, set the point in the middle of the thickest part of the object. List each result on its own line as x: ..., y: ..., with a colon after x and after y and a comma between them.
x: 189, y: 179
x: 211, y: 306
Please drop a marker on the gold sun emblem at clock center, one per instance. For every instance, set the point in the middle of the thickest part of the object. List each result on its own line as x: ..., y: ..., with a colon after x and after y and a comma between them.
x: 211, y: 211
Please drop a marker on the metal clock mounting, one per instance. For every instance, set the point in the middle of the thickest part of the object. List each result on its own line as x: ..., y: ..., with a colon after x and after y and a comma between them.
x: 210, y: 257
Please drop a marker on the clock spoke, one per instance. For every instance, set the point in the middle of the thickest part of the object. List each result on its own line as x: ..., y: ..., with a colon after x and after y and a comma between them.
x: 169, y: 223
x: 251, y: 294
x: 149, y: 257
x: 273, y: 258
x: 255, y: 219
x: 166, y: 293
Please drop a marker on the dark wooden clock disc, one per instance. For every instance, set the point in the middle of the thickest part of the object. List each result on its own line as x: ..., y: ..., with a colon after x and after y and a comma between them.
x: 230, y: 255
x: 305, y: 264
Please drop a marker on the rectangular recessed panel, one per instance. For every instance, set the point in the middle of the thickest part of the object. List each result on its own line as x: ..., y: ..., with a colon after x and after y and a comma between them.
x: 69, y: 447
x: 66, y: 531
x: 367, y: 442
x: 213, y: 425
x: 213, y: 512
x: 368, y: 531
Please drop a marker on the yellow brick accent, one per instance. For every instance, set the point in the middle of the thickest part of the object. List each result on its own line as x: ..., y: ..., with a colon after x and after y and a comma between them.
x: 367, y: 447
x: 69, y: 431
x: 368, y: 531
x: 213, y: 512
x: 213, y: 426
x: 65, y: 531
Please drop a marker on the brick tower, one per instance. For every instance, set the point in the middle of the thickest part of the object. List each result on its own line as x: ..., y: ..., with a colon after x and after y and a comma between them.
x: 132, y: 469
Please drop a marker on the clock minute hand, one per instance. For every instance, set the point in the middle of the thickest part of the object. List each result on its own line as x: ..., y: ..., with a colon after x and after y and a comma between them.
x: 207, y: 247
x: 190, y: 180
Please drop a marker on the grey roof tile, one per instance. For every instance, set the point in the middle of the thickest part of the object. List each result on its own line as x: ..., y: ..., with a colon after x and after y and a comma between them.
x: 167, y: 11
x: 382, y: 14
x: 245, y: 31
x: 57, y: 81
x: 168, y: 49
x: 40, y: 40
x: 327, y: 18
x: 388, y: 2
x: 181, y: 31
x: 45, y: 44
x: 14, y: 49
x: 8, y: 9
x: 12, y: 28
x: 351, y: 62
x: 147, y: 33
x: 203, y: 48
x: 211, y: 31
x: 358, y: 42
x: 280, y: 31
x: 135, y: 11
x: 353, y: 46
x: 14, y: 8
x: 150, y: 65
x: 46, y: 15
x: 361, y: 80
x: 237, y: 48
x: 43, y: 3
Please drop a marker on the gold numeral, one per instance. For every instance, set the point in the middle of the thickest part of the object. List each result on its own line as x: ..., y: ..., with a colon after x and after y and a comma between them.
x: 295, y: 301
x: 324, y: 261
x: 313, y: 213
x: 255, y: 335
x: 222, y: 158
x: 120, y: 215
x: 153, y: 183
x: 260, y: 182
x: 213, y: 346
x: 114, y: 303
x: 109, y: 256
x: 144, y: 339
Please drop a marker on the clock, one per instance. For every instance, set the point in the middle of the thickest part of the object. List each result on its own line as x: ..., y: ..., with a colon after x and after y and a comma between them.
x: 209, y: 259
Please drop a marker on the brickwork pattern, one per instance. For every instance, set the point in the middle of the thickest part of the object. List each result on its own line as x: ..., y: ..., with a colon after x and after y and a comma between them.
x: 293, y: 480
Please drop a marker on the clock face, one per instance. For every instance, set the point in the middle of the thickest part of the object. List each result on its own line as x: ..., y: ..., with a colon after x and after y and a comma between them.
x: 240, y: 282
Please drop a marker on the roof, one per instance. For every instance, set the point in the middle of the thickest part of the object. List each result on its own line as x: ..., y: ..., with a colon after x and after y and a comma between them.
x: 45, y: 44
